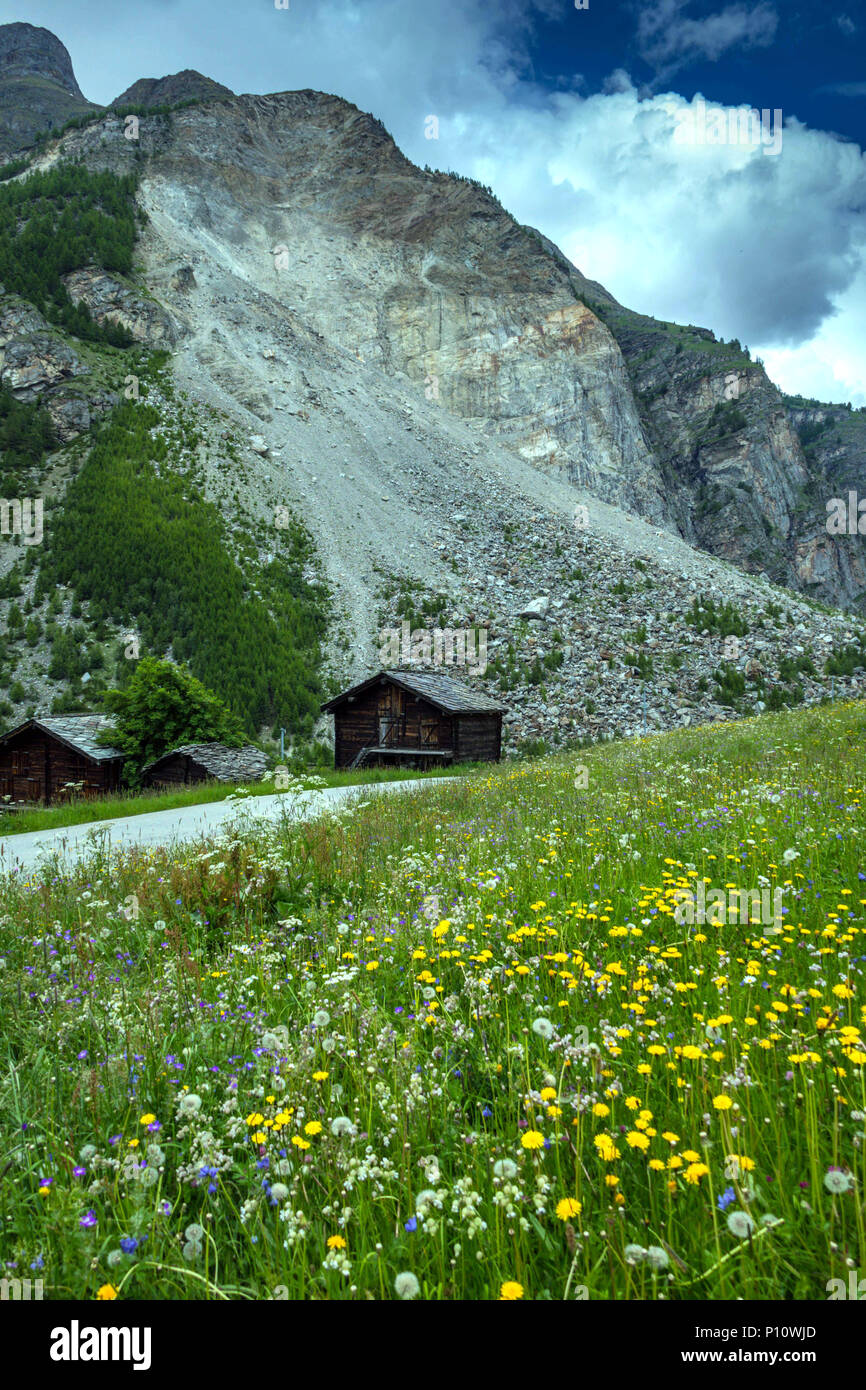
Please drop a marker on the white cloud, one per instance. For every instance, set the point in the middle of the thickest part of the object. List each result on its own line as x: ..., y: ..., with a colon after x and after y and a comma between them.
x: 668, y: 39
x: 618, y: 81
x: 846, y: 89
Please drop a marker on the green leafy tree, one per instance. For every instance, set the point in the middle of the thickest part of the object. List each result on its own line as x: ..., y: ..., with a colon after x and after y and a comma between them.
x: 161, y: 706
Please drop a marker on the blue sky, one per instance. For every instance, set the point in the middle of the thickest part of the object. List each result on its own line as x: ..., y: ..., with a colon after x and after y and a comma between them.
x: 587, y: 124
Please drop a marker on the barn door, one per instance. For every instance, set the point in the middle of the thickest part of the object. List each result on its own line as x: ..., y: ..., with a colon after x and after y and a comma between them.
x: 27, y: 785
x: 390, y: 715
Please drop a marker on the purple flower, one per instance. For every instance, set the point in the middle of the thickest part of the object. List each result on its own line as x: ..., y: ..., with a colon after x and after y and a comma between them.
x: 87, y: 1221
x: 410, y: 1225
x: 79, y: 1172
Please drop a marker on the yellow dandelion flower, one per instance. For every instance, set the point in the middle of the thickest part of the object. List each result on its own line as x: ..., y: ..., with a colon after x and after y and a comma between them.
x: 313, y: 1127
x: 532, y: 1139
x: 695, y: 1172
x: 336, y: 1243
x: 567, y: 1208
x: 106, y: 1292
x: 722, y: 1102
x: 510, y: 1292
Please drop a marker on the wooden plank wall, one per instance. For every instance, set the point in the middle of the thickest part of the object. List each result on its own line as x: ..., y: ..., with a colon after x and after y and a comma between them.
x: 479, y: 738
x: 34, y: 767
x: 173, y: 772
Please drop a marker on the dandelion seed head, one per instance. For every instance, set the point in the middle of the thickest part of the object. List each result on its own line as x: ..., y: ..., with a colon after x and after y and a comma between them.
x: 406, y: 1286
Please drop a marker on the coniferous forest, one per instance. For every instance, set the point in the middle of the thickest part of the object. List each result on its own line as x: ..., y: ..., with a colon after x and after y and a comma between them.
x: 56, y: 222
x: 145, y: 549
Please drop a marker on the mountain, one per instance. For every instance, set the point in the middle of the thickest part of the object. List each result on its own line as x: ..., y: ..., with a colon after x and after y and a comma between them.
x: 38, y: 90
x: 426, y: 275
x: 171, y: 91
x: 428, y: 390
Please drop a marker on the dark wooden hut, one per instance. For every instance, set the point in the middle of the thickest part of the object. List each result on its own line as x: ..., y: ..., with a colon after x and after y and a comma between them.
x: 414, y: 718
x: 53, y: 758
x: 203, y: 762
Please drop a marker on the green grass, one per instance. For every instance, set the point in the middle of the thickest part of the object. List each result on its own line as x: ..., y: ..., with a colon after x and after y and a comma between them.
x: 139, y: 803
x: 467, y: 1036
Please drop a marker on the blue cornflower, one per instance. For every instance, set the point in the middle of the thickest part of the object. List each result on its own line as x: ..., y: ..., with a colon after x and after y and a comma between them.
x: 129, y: 1245
x: 725, y: 1198
x: 410, y: 1225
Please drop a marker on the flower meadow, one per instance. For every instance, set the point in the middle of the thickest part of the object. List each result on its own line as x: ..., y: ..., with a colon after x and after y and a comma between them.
x: 456, y: 1045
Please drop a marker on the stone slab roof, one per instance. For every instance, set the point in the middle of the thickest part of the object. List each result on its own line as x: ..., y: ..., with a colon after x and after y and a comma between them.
x: 440, y: 690
x: 78, y: 731
x: 226, y: 764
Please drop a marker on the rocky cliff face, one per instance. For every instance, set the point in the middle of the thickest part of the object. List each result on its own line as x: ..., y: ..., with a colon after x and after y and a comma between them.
x: 422, y: 275
x: 38, y: 90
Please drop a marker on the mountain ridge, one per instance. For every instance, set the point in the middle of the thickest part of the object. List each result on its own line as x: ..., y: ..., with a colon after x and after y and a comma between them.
x: 410, y: 371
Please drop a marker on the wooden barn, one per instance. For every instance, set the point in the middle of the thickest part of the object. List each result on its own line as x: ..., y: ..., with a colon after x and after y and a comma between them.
x: 46, y: 759
x: 414, y: 718
x: 204, y: 762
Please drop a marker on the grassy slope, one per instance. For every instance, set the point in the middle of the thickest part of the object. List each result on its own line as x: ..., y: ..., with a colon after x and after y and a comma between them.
x: 396, y: 1005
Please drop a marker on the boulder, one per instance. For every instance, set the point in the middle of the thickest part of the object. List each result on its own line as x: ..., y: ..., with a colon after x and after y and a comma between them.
x: 536, y: 608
